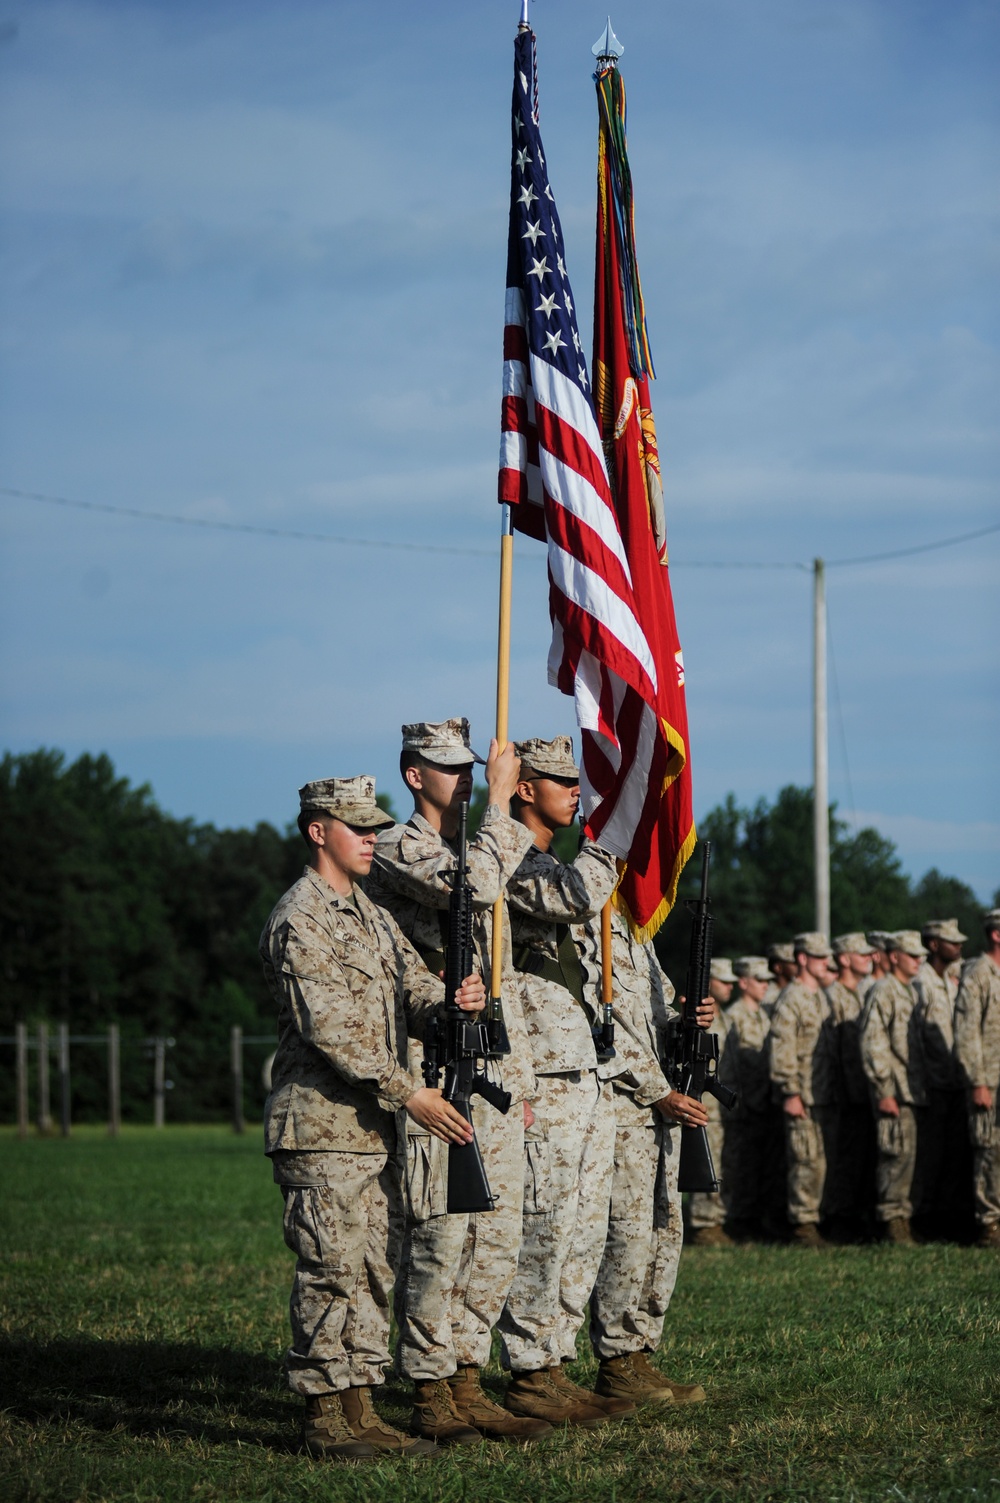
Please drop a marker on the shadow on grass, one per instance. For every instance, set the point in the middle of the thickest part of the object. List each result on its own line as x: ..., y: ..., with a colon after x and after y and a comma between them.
x: 215, y: 1394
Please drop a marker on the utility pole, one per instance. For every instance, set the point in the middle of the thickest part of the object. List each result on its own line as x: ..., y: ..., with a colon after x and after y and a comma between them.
x: 821, y: 766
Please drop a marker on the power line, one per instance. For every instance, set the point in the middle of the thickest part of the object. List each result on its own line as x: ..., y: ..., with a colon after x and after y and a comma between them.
x: 455, y: 549
x: 877, y: 558
x: 271, y: 532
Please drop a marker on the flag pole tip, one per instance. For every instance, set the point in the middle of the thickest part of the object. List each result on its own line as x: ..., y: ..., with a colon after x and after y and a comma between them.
x: 607, y: 49
x: 523, y: 24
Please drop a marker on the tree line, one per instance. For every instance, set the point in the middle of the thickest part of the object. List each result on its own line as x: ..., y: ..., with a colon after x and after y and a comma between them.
x: 112, y: 910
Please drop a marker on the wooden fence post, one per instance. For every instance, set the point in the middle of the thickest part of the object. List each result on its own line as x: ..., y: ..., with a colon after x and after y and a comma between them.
x: 114, y: 1081
x: 44, y: 1103
x: 64, y: 1094
x: 159, y: 1081
x: 21, y: 1041
x: 236, y: 1065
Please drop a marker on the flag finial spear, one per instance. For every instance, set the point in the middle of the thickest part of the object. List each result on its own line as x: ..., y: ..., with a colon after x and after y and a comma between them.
x: 607, y: 49
x: 524, y: 23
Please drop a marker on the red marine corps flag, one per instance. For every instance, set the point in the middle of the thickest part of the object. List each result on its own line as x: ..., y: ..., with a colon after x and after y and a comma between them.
x: 614, y: 645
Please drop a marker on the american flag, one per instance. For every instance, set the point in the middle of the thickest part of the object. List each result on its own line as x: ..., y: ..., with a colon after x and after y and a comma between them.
x: 554, y: 477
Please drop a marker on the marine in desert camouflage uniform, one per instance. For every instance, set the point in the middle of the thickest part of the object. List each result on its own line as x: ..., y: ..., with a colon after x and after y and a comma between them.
x: 645, y: 1232
x: 977, y: 1046
x: 348, y: 986
x: 945, y: 1155
x: 803, y: 1071
x: 706, y: 1209
x: 879, y: 941
x: 754, y: 1149
x: 456, y: 1270
x: 892, y: 1052
x: 569, y: 1148
x: 850, y: 1194
x: 781, y: 965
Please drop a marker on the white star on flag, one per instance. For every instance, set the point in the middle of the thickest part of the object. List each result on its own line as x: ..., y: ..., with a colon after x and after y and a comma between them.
x: 527, y: 196
x: 546, y: 305
x: 533, y: 231
x: 538, y: 268
x: 522, y: 157
x: 555, y: 341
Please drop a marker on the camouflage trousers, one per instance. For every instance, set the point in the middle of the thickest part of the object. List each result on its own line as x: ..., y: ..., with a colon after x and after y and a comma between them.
x: 645, y: 1233
x: 984, y: 1129
x: 707, y: 1207
x: 345, y: 1236
x: 895, y: 1172
x: 810, y: 1143
x: 568, y: 1162
x: 455, y: 1271
x: 753, y: 1164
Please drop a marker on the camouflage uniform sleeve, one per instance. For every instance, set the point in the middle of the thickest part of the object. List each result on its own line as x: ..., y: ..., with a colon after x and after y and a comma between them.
x: 337, y: 1003
x: 876, y: 1046
x: 783, y: 1049
x: 563, y: 892
x: 417, y: 864
x: 969, y: 1010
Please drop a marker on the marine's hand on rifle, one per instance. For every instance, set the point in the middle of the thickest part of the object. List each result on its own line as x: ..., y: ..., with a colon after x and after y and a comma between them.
x: 429, y: 1109
x: 982, y: 1098
x: 794, y: 1106
x: 683, y: 1109
x: 471, y: 995
x: 704, y: 1013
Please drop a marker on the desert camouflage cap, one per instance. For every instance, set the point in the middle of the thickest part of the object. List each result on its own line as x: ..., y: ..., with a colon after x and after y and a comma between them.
x: 991, y: 920
x: 443, y: 741
x: 812, y: 943
x: 349, y: 799
x: 551, y: 759
x: 783, y: 951
x: 752, y: 967
x: 907, y: 941
x: 722, y: 970
x: 852, y: 944
x: 878, y: 938
x: 943, y: 929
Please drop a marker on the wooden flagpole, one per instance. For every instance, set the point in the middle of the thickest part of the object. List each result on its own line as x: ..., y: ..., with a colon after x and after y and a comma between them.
x: 503, y: 708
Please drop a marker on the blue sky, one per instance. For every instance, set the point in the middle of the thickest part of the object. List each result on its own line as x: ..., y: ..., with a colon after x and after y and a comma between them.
x: 252, y: 271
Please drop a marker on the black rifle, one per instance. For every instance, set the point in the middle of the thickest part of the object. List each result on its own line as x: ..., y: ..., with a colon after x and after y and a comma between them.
x: 463, y: 1047
x: 696, y: 1058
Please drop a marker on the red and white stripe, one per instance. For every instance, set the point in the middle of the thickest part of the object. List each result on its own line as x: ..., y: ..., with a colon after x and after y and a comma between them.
x: 553, y: 474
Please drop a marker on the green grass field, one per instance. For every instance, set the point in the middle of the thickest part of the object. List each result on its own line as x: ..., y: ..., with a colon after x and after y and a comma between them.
x: 144, y: 1285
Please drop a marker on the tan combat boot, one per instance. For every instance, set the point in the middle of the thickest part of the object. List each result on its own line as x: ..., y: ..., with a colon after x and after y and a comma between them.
x: 368, y: 1427
x: 684, y: 1393
x: 614, y: 1408
x: 622, y: 1378
x: 327, y: 1433
x: 989, y: 1235
x: 476, y: 1408
x: 537, y: 1397
x: 808, y: 1235
x: 435, y: 1415
x: 711, y: 1236
x: 898, y: 1231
